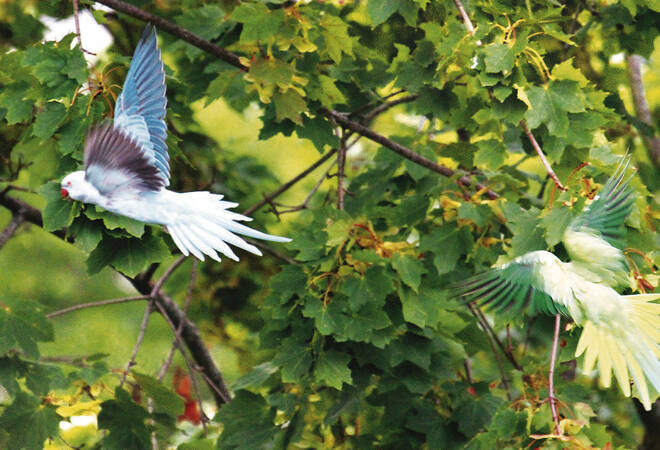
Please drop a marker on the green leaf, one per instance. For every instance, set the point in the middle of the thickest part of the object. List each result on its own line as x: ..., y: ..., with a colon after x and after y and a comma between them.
x: 363, y: 326
x: 165, y: 401
x: 113, y: 221
x: 498, y: 58
x: 550, y: 105
x: 337, y: 39
x: 295, y: 361
x: 23, y: 325
x: 357, y: 291
x: 289, y: 105
x: 29, y: 422
x: 129, y: 256
x: 332, y: 369
x: 49, y: 120
x: 259, y: 22
x: 248, y: 422
x: 326, y: 92
x: 379, y: 11
x: 291, y: 280
x: 555, y: 223
x: 319, y: 131
x: 329, y: 319
x: 527, y: 234
x: 422, y: 309
x: 491, y: 154
x: 410, y: 269
x: 448, y: 244
x: 219, y: 86
x: 256, y: 377
x: 206, y: 22
x: 125, y: 422
x: 58, y: 213
x: 58, y: 67
x: 410, y: 347
x: 86, y: 233
x: 475, y: 413
x: 12, y: 98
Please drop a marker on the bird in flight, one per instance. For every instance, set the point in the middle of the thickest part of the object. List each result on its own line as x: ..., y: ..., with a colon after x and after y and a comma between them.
x: 127, y: 169
x: 620, y: 332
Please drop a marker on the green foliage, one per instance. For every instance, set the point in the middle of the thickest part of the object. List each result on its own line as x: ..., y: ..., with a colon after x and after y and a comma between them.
x: 360, y: 343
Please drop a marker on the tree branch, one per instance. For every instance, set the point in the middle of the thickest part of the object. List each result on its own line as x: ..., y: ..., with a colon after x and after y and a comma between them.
x: 539, y: 152
x: 270, y: 197
x: 403, y: 151
x: 387, y: 105
x: 186, y: 304
x: 341, y: 163
x: 10, y: 229
x: 176, y: 30
x: 138, y: 342
x: 112, y: 301
x: 189, y: 332
x: 551, y: 375
x: 192, y: 339
x: 484, y: 324
x: 642, y: 107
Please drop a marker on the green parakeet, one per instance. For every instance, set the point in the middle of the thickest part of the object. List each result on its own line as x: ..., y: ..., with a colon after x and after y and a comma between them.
x: 621, y: 333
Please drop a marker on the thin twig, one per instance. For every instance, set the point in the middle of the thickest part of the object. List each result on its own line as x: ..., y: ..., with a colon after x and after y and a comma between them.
x: 138, y: 343
x: 77, y: 22
x: 344, y: 121
x: 466, y: 19
x: 112, y: 301
x: 147, y: 313
x: 10, y: 229
x: 464, y: 16
x: 480, y: 315
x: 191, y: 284
x: 270, y: 197
x: 191, y: 368
x: 484, y: 324
x: 551, y: 375
x: 273, y: 251
x: 468, y: 370
x: 539, y: 152
x: 166, y: 275
x: 387, y: 105
x: 341, y: 162
x: 642, y: 107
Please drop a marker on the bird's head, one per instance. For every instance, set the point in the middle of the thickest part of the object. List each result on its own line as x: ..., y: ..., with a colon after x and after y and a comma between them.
x: 74, y: 186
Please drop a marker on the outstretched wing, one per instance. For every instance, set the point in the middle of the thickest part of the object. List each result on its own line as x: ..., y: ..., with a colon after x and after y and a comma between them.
x: 140, y: 108
x: 114, y: 162
x: 535, y: 280
x: 594, y: 240
x: 606, y: 214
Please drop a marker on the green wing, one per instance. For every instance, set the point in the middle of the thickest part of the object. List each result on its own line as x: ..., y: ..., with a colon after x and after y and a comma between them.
x: 606, y: 214
x: 525, y: 282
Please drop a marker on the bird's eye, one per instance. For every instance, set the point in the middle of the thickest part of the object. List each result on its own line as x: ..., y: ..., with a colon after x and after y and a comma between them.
x: 68, y: 183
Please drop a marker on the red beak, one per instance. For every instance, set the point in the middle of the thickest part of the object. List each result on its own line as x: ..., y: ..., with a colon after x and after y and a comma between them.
x: 64, y: 193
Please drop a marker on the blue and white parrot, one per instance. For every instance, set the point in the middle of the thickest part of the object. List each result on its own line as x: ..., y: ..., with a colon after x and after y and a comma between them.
x: 127, y: 169
x: 620, y: 332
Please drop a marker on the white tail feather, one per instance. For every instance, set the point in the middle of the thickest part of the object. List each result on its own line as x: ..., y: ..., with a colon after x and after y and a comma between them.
x: 202, y: 225
x: 630, y: 349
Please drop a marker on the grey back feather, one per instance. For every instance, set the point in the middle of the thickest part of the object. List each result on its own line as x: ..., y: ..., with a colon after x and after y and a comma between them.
x: 114, y: 161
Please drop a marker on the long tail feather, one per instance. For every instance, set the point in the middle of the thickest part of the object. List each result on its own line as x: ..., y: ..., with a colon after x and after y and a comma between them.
x: 202, y: 225
x: 631, y: 350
